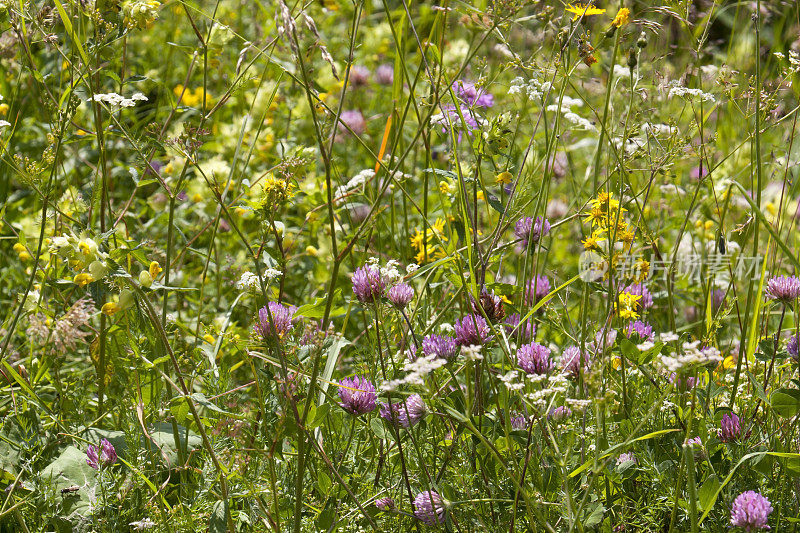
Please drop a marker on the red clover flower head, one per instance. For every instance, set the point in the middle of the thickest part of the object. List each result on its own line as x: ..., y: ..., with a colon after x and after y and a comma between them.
x: 406, y: 413
x: 384, y: 74
x: 280, y: 325
x: 531, y: 231
x: 571, y: 360
x: 357, y: 395
x: 534, y: 358
x: 429, y: 508
x: 537, y: 289
x: 490, y: 303
x: 750, y: 511
x: 783, y: 288
x: 440, y: 346
x: 368, y: 284
x: 640, y: 329
x: 103, y: 457
x: 730, y: 428
x: 527, y: 331
x: 472, y: 330
x: 400, y: 295
x: 792, y: 346
x: 385, y: 504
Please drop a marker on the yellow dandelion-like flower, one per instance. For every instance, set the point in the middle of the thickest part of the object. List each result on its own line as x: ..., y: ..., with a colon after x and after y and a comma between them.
x: 622, y: 18
x: 504, y: 178
x: 628, y: 304
x: 579, y: 10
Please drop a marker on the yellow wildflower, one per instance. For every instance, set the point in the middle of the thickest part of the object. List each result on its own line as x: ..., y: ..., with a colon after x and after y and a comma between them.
x: 504, y: 178
x: 622, y: 18
x: 154, y: 269
x: 82, y: 279
x: 579, y: 10
x: 627, y: 305
x: 3, y: 110
x: 19, y: 247
x: 209, y: 338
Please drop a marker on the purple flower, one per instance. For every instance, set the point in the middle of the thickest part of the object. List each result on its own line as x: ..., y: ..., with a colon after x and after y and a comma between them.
x: 717, y: 298
x: 429, y: 508
x: 783, y: 288
x: 472, y: 330
x: 731, y: 429
x: 750, y: 511
x: 359, y: 75
x: 406, y: 413
x: 449, y: 118
x: 641, y: 329
x: 384, y: 74
x: 441, y: 346
x: 559, y: 414
x: 354, y: 120
x: 281, y: 322
x: 103, y: 457
x: 626, y: 457
x: 638, y: 289
x: 537, y: 289
x: 534, y: 358
x: 792, y: 346
x: 527, y: 331
x: 473, y: 96
x: 571, y: 359
x: 368, y: 284
x: 385, y: 504
x: 357, y: 395
x: 400, y: 295
x: 520, y: 422
x: 604, y: 339
x: 531, y: 231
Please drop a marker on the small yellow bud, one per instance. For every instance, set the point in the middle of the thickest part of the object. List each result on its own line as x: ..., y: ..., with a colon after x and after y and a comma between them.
x: 3, y: 110
x: 504, y: 177
x: 110, y: 308
x: 154, y: 269
x: 209, y: 338
x: 197, y: 198
x: 19, y: 247
x: 82, y: 279
x: 310, y: 250
x: 25, y: 256
x: 480, y: 196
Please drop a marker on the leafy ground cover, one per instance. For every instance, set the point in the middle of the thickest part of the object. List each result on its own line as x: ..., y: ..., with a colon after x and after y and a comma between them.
x: 496, y: 265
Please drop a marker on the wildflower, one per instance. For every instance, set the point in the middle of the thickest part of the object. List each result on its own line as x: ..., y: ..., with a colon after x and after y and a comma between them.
x: 103, y: 457
x: 580, y: 10
x: 385, y: 504
x: 730, y: 428
x: 504, y: 178
x: 352, y: 120
x: 534, y: 358
x: 357, y: 395
x: 531, y: 231
x: 359, y: 75
x: 750, y: 511
x: 141, y: 525
x: 472, y: 95
x: 604, y: 339
x: 783, y: 288
x: 520, y: 422
x: 429, y: 508
x: 384, y: 74
x: 527, y: 331
x: 792, y: 346
x: 450, y: 118
x: 571, y: 360
x: 625, y: 458
x: 368, y: 285
x: 440, y: 346
x: 537, y: 289
x: 406, y: 413
x: 472, y: 352
x: 280, y: 325
x: 692, y: 354
x: 140, y: 13
x: 622, y: 18
x: 83, y: 279
x: 559, y: 414
x: 400, y: 295
x: 472, y: 330
x: 490, y: 303
x: 116, y: 100
x: 642, y: 330
x: 628, y: 304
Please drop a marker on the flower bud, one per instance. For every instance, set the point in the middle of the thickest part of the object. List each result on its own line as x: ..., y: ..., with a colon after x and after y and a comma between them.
x: 98, y: 269
x: 632, y: 58
x: 642, y: 42
x: 145, y: 279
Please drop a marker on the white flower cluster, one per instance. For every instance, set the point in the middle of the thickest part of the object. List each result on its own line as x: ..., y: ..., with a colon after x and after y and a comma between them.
x: 692, y: 354
x: 416, y: 370
x: 510, y: 380
x: 117, y: 100
x: 534, y: 88
x: 4, y: 123
x: 658, y: 129
x: 249, y: 282
x: 577, y: 404
x: 794, y: 59
x: 685, y: 92
x: 472, y: 352
x: 355, y: 182
x: 556, y: 384
x: 567, y: 104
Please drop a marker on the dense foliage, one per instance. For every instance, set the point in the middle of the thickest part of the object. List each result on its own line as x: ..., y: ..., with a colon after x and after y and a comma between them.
x: 487, y: 265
